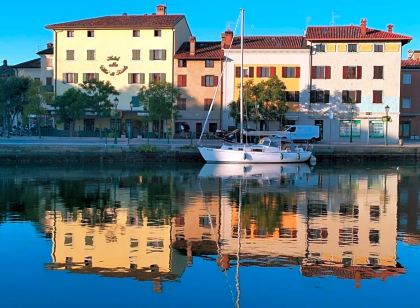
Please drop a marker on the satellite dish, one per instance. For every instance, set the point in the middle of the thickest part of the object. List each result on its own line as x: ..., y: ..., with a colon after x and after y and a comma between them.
x: 410, y: 54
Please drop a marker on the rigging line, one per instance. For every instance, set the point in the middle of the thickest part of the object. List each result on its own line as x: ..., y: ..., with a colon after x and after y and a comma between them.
x: 219, y: 249
x: 219, y: 82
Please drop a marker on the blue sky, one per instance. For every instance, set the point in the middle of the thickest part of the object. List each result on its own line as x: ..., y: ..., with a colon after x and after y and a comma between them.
x: 23, y: 33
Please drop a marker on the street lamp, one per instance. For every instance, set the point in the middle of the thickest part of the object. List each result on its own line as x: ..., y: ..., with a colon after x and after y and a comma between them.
x: 351, y: 123
x: 386, y: 123
x: 116, y: 101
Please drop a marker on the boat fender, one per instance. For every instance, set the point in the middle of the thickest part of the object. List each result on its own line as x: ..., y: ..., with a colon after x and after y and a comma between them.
x: 244, y: 156
x: 281, y: 156
x: 298, y: 156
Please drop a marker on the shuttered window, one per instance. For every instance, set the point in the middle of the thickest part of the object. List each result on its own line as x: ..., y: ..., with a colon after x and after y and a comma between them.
x: 90, y: 77
x: 136, y: 78
x: 135, y: 54
x: 377, y: 97
x: 182, y: 81
x: 158, y: 54
x: 209, y: 81
x: 90, y: 55
x: 321, y: 72
x: 292, y: 96
x: 70, y: 78
x: 291, y: 72
x: 352, y: 72
x: 352, y: 96
x: 157, y: 77
x: 320, y: 96
x: 378, y: 72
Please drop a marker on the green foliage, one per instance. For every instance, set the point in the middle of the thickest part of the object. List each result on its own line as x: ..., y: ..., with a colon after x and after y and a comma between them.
x: 262, y: 101
x: 148, y: 148
x: 36, y: 98
x: 98, y: 94
x: 71, y: 106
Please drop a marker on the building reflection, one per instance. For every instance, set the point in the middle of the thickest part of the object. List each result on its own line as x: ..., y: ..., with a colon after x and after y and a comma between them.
x: 341, y: 224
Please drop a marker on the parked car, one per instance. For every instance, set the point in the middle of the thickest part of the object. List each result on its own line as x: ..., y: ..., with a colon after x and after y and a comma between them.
x: 301, y: 133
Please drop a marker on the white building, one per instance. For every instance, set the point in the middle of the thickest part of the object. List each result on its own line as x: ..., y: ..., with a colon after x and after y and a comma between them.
x: 355, y: 74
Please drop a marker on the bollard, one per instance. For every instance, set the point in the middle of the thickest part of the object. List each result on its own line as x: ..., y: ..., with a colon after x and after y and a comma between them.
x: 401, y: 142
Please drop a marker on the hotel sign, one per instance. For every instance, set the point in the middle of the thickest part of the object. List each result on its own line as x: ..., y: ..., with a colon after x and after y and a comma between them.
x: 113, y: 68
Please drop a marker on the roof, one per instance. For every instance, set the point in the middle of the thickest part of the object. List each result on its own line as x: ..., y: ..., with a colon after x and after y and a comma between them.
x: 122, y: 22
x: 35, y: 63
x: 410, y: 64
x: 352, y: 33
x: 203, y: 50
x: 48, y: 51
x: 270, y: 42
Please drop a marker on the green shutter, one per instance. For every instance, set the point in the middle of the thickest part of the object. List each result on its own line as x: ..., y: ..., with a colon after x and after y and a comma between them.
x: 151, y: 54
x: 142, y: 78
x: 163, y: 77
x: 164, y: 54
x: 76, y: 78
x: 84, y: 77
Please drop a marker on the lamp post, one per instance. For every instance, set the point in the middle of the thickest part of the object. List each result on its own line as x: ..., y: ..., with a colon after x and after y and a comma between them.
x: 351, y: 123
x: 386, y: 123
x: 116, y: 101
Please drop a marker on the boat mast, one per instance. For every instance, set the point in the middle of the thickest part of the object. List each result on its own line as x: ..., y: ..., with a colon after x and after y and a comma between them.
x: 241, y: 89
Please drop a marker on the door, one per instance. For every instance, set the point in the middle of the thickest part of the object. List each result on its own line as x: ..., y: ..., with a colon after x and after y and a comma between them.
x: 320, y: 124
x: 198, y: 128
x: 405, y: 129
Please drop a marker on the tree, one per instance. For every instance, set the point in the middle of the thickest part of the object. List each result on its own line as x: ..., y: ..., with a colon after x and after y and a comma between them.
x: 159, y: 100
x: 264, y: 101
x: 37, y: 100
x: 13, y: 98
x: 71, y: 106
x: 98, y: 94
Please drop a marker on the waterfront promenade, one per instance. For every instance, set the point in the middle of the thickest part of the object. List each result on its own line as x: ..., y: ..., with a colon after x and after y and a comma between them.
x: 76, y: 149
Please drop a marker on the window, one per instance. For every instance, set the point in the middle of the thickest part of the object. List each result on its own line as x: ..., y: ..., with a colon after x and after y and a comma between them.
x: 181, y: 104
x: 352, y: 96
x: 70, y: 33
x: 348, y: 236
x: 378, y: 48
x: 182, y: 81
x: 69, y: 55
x: 319, y: 47
x: 182, y: 63
x: 90, y: 76
x: 291, y: 72
x: 212, y: 127
x: 204, y: 221
x: 406, y: 78
x: 321, y: 72
x: 209, y: 81
x: 90, y: 55
x: 158, y: 33
x: 207, y: 104
x: 318, y: 235
x: 352, y: 48
x: 157, y: 77
x: 376, y: 130
x: 135, y: 55
x: 265, y: 71
x: 70, y: 78
x: 352, y: 72
x: 91, y: 33
x: 378, y: 72
x: 48, y: 81
x: 136, y: 78
x: 209, y: 63
x: 247, y: 72
x: 377, y: 97
x: 347, y: 127
x: 320, y: 96
x: 374, y: 237
x: 292, y: 96
x: 157, y: 54
x: 406, y: 103
x: 136, y: 33
x: 48, y: 62
x: 88, y: 240
x: 68, y: 239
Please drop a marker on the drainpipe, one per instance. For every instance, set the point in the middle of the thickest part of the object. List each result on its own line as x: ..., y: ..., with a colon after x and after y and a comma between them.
x: 55, y: 62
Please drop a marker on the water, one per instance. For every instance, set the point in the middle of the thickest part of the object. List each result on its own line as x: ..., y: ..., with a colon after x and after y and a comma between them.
x: 210, y: 236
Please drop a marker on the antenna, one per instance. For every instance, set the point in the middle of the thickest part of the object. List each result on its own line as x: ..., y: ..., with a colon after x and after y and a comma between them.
x: 410, y: 54
x: 333, y: 18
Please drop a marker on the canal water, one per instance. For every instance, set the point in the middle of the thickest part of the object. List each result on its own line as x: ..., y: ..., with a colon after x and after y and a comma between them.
x: 210, y: 236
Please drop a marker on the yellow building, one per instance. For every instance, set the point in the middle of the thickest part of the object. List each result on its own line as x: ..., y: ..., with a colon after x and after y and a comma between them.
x: 128, y: 50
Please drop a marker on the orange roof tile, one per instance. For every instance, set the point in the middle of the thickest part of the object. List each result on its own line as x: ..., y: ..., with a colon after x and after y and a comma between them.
x: 270, y: 42
x: 413, y: 64
x: 203, y: 50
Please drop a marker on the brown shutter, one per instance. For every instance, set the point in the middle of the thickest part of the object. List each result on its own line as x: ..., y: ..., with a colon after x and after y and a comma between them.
x: 313, y: 72
x: 345, y: 69
x: 251, y: 72
x: 328, y: 72
x: 326, y: 96
x: 215, y: 81
x: 162, y: 77
x: 179, y: 81
x: 238, y: 72
x: 151, y: 54
x: 203, y: 81
x: 272, y: 71
x: 284, y: 72
x: 359, y: 96
x: 297, y: 72
x: 259, y: 71
x: 359, y: 72
x: 84, y: 77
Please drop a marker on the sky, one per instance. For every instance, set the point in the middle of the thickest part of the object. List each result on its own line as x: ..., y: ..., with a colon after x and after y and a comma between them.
x: 23, y: 33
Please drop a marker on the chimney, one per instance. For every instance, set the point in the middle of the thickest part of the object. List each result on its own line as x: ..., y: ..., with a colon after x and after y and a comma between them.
x: 161, y: 9
x: 227, y: 38
x: 416, y: 55
x: 390, y: 27
x: 192, y: 45
x: 50, y: 45
x: 363, y: 24
x: 4, y: 62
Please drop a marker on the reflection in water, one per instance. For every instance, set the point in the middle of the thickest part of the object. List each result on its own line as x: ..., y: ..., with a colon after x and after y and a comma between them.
x: 149, y: 225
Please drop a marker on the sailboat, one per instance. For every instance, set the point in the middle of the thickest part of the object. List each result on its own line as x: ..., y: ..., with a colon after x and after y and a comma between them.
x: 272, y: 149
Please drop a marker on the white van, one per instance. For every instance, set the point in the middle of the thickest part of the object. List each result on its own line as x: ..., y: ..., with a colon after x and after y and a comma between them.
x: 300, y: 133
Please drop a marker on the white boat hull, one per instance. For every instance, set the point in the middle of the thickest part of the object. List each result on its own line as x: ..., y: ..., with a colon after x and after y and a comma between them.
x: 246, y: 156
